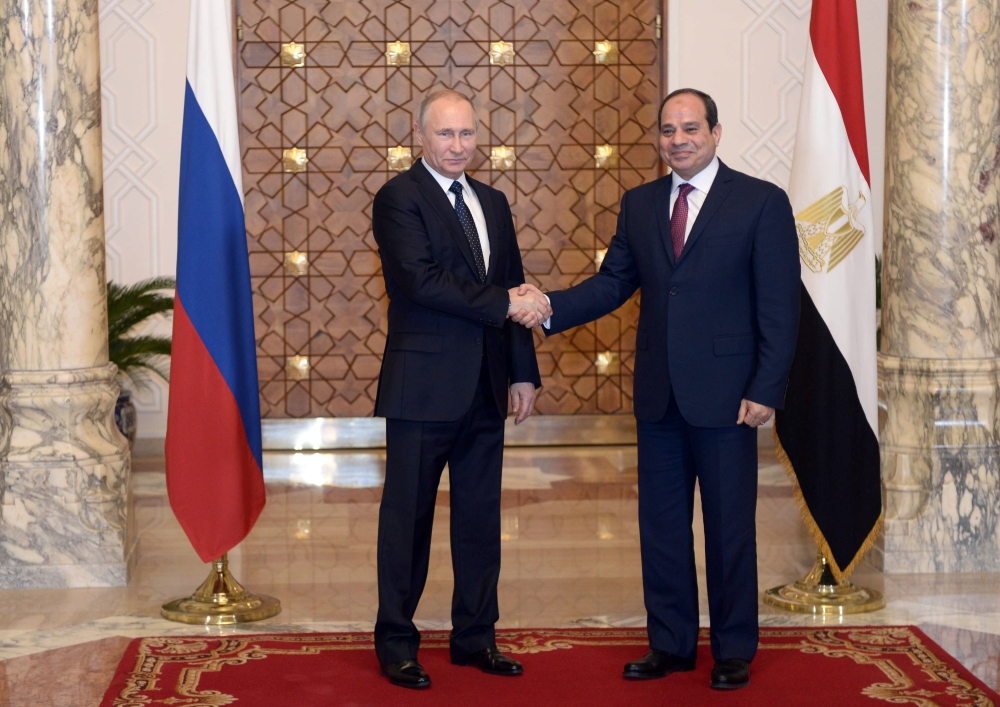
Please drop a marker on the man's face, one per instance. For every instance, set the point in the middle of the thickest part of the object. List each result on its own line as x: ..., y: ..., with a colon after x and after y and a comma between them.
x: 686, y: 143
x: 448, y: 136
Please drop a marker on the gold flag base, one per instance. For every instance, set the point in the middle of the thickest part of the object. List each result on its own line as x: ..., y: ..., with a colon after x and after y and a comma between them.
x: 220, y: 601
x: 819, y: 593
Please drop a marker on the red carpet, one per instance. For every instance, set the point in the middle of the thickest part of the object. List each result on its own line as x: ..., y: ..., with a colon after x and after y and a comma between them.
x: 795, y: 667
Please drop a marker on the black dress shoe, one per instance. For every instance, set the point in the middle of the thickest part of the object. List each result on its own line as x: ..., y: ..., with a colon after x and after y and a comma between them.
x: 657, y: 664
x: 730, y: 674
x: 407, y: 673
x: 491, y: 661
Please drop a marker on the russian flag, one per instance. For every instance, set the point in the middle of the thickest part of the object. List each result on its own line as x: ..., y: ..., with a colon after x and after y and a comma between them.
x: 213, y: 447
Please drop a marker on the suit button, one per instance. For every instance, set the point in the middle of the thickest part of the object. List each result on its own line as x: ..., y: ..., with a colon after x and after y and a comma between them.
x: 479, y: 341
x: 673, y: 290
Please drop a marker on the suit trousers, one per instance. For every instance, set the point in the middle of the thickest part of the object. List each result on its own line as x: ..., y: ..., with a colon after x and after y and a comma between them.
x: 672, y: 456
x: 416, y: 453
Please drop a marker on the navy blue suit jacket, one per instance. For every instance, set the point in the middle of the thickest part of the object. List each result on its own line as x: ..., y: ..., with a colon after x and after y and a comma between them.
x: 720, y: 323
x: 442, y: 320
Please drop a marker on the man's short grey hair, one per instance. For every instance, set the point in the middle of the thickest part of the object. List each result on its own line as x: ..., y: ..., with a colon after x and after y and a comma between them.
x: 438, y: 95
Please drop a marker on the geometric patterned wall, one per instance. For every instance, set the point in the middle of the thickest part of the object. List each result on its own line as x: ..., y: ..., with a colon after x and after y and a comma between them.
x: 555, y: 106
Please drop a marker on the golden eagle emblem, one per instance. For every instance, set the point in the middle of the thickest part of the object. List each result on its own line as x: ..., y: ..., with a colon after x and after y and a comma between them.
x: 829, y: 230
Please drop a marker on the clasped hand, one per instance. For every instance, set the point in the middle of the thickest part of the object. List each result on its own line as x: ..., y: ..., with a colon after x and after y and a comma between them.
x: 528, y: 306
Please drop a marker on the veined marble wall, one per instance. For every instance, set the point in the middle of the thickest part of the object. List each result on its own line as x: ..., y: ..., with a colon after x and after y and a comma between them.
x: 64, y: 467
x: 941, y: 292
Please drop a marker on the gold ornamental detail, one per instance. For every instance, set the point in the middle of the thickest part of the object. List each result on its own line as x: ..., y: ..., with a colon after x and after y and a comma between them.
x: 296, y: 264
x: 829, y: 230
x: 501, y: 53
x: 606, y: 156
x: 297, y: 368
x: 502, y: 157
x: 608, y: 363
x: 397, y: 53
x: 605, y: 52
x: 293, y: 55
x: 294, y: 160
x: 400, y: 158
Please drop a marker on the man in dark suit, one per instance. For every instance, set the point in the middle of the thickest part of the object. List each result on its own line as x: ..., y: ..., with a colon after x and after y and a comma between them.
x: 716, y: 255
x: 452, y: 268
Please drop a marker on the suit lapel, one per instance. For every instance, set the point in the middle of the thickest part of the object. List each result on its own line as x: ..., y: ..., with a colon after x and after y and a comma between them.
x: 492, y: 227
x: 717, y: 194
x: 662, y: 201
x: 434, y: 194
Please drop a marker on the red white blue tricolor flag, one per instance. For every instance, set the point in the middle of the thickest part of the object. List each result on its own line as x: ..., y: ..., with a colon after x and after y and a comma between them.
x: 213, y: 448
x: 827, y: 433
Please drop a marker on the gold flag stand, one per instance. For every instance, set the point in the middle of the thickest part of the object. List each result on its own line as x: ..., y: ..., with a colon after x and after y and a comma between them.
x: 820, y: 593
x: 221, y: 600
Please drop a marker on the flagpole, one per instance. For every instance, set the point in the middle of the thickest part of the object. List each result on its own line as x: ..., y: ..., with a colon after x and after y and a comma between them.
x: 214, y: 457
x: 221, y: 601
x: 826, y: 437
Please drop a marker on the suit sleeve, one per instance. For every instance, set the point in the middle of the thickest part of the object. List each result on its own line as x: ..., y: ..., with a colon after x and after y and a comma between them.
x: 405, y: 247
x: 777, y: 281
x: 523, y: 361
x: 603, y: 292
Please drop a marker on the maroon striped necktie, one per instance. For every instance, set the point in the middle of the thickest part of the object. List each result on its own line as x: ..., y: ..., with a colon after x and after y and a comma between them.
x: 679, y: 219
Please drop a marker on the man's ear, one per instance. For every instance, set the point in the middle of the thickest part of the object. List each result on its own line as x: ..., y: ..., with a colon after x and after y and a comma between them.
x: 717, y: 133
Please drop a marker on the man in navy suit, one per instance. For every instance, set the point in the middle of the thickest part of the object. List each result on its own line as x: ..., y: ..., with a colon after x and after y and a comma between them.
x: 452, y: 357
x: 715, y: 253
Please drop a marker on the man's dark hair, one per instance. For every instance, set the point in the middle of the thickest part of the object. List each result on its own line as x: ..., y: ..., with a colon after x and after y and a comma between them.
x: 711, y: 110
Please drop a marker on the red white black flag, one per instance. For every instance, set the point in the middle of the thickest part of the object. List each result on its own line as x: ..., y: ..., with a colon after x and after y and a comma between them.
x: 827, y: 433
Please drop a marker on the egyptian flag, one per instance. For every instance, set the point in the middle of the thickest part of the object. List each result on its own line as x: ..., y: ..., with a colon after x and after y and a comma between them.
x: 213, y: 447
x: 827, y: 434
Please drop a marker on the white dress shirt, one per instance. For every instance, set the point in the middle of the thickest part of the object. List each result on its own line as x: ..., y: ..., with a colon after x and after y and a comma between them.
x: 701, y: 182
x: 472, y: 201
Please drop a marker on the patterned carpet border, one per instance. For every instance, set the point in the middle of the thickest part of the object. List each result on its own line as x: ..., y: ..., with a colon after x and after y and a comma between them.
x: 912, y: 669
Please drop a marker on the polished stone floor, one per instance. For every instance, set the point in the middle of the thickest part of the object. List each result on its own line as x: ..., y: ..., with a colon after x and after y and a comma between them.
x: 571, y: 557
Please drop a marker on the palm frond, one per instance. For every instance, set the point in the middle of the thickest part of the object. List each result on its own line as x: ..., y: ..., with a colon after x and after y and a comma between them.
x: 129, y: 306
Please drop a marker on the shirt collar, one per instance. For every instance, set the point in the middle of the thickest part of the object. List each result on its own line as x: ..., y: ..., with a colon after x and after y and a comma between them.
x: 701, y: 181
x: 446, y: 182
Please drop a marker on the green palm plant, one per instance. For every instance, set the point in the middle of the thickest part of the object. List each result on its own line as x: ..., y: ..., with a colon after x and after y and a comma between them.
x: 129, y: 306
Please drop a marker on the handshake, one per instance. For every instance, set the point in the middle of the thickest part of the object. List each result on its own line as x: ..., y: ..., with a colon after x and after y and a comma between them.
x: 529, y: 306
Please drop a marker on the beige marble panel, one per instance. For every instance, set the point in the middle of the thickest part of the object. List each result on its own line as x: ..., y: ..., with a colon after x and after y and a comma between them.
x: 53, y: 311
x: 943, y: 217
x: 65, y: 519
x: 941, y: 289
x: 939, y: 466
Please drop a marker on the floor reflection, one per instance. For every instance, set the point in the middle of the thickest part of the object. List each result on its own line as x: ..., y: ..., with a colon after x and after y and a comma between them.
x: 570, y: 557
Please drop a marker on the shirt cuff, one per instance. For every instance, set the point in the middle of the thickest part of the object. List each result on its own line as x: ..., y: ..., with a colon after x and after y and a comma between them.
x: 548, y: 322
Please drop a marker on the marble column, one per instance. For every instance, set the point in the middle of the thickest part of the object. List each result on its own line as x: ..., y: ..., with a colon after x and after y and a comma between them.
x: 941, y: 292
x: 65, y: 516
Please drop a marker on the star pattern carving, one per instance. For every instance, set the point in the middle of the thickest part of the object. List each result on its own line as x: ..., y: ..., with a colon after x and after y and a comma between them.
x: 346, y: 108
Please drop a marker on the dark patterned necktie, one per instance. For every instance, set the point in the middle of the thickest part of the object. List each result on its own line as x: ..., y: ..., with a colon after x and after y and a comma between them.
x: 469, y: 226
x: 679, y: 220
